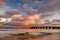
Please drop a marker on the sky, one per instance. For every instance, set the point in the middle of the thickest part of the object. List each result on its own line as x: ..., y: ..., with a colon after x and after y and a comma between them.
x: 13, y: 4
x: 48, y: 8
x: 24, y: 5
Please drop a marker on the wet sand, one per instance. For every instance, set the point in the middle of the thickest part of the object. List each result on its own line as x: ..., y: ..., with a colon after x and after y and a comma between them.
x: 54, y: 36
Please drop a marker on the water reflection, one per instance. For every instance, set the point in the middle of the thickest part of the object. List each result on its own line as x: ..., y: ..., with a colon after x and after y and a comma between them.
x: 31, y: 36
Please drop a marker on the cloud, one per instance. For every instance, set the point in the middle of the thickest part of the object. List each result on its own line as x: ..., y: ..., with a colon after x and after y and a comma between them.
x: 36, y: 6
x: 29, y: 10
x: 17, y: 17
x: 12, y: 12
x: 56, y: 6
x: 53, y: 7
x: 9, y: 12
x: 42, y: 6
x: 4, y: 8
x: 46, y: 8
x: 2, y: 2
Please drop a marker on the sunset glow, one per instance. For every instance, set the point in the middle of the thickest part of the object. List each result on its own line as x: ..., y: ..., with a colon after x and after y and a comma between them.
x: 25, y: 23
x: 37, y: 16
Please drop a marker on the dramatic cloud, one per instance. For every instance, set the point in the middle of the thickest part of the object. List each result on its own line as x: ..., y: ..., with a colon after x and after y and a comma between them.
x: 46, y: 8
x: 17, y: 17
x: 55, y: 16
x: 11, y: 12
x: 42, y: 6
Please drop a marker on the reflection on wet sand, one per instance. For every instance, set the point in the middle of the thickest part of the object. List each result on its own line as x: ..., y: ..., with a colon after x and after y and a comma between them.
x: 31, y: 36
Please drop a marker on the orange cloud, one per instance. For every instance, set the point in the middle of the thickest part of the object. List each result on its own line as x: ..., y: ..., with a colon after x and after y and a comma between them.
x: 16, y: 16
x: 25, y: 23
x: 2, y: 1
x: 30, y: 18
x: 35, y: 16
